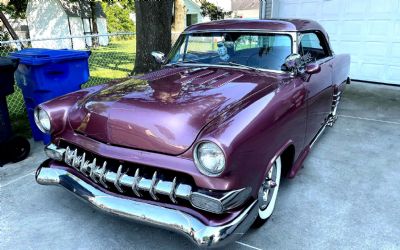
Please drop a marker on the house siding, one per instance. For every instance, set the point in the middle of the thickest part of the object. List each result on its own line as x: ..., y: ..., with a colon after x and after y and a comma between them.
x: 47, y: 19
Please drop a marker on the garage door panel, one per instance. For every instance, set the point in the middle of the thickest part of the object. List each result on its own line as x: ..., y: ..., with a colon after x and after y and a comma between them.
x: 393, y: 74
x: 396, y: 51
x: 386, y: 6
x: 284, y: 2
x: 372, y: 71
x: 367, y: 29
x: 351, y: 47
x: 380, y: 28
x: 396, y: 30
x: 376, y: 50
x: 330, y: 27
x: 288, y: 10
x: 308, y: 10
x: 329, y: 9
x: 351, y: 30
x: 356, y: 8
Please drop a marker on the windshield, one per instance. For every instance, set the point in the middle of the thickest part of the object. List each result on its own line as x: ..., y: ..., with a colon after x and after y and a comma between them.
x: 258, y: 50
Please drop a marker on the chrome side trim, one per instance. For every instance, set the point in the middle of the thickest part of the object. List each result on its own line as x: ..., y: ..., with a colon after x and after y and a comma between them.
x: 320, y: 132
x: 171, y: 219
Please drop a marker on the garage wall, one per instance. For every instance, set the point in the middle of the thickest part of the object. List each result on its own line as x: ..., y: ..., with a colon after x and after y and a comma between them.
x: 367, y: 29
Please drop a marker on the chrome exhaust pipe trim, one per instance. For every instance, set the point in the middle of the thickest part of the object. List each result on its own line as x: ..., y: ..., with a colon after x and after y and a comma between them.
x: 175, y: 220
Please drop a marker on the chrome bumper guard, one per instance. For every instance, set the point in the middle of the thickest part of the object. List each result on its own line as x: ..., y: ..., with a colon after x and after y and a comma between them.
x: 171, y: 219
x: 138, y: 184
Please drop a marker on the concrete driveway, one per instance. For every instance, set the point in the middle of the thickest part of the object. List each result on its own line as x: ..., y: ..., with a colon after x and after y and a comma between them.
x: 347, y: 196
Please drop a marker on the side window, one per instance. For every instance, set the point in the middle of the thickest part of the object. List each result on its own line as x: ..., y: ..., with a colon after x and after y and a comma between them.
x: 312, y: 48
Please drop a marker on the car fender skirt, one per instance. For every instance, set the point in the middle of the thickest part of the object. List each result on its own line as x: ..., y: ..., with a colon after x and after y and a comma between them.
x: 202, y: 235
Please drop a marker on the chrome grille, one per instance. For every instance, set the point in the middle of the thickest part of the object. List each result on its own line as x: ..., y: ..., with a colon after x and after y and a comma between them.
x: 102, y: 174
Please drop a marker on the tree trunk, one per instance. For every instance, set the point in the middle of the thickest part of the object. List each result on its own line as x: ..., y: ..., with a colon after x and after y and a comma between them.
x: 95, y: 31
x: 179, y: 16
x: 10, y: 29
x: 153, y: 32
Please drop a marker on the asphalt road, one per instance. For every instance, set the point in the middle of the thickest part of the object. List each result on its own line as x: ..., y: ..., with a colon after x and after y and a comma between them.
x: 347, y: 196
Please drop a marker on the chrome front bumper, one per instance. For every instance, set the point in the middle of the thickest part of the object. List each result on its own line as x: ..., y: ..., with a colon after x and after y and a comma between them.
x: 171, y: 219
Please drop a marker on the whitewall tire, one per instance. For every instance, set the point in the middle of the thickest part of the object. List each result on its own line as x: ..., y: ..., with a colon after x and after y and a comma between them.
x: 268, y: 192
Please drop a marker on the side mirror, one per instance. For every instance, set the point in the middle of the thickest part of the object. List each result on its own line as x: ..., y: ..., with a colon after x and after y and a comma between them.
x: 159, y: 56
x: 313, y: 68
x: 293, y: 63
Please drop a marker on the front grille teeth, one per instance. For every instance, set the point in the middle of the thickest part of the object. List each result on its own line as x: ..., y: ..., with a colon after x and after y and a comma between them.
x: 135, y: 183
x: 101, y: 173
x: 118, y: 177
x: 153, y: 184
x: 122, y: 181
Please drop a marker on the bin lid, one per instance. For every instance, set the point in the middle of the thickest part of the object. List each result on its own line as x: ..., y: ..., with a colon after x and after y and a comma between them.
x: 35, y: 56
x: 8, y: 63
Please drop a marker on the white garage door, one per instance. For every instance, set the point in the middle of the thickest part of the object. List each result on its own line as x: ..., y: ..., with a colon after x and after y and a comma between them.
x: 367, y: 29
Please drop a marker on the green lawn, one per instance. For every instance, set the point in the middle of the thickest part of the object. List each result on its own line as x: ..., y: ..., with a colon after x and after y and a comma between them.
x: 105, y: 63
x: 115, y: 61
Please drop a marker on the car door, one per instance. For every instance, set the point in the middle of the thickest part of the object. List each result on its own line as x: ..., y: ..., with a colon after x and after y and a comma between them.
x: 314, y: 48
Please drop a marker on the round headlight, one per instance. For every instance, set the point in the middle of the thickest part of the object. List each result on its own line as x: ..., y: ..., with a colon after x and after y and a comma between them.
x: 209, y: 158
x: 42, y: 120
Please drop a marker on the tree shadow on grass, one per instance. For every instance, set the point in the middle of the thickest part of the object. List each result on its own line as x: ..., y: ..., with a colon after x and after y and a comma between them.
x: 119, y: 61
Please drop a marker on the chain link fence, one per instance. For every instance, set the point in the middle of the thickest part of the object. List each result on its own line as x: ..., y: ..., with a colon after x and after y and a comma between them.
x: 113, y: 60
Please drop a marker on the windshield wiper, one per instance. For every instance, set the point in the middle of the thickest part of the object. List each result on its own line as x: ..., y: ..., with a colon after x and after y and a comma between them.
x: 239, y: 65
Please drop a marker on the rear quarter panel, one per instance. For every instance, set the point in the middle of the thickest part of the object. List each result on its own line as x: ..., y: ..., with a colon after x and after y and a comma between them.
x: 341, y: 71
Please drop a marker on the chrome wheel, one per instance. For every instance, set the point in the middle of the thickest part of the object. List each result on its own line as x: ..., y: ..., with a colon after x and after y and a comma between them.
x: 269, y: 190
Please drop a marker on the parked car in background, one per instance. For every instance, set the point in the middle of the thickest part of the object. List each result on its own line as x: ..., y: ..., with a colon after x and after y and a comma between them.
x: 200, y: 146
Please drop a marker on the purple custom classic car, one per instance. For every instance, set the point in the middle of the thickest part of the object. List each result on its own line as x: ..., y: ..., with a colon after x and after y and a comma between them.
x: 200, y: 146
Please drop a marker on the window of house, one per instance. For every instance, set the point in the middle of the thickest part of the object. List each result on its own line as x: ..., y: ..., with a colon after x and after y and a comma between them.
x: 313, y: 47
x: 191, y: 19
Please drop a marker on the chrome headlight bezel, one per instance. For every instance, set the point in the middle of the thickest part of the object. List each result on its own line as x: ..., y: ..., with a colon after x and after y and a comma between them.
x: 40, y: 116
x: 200, y: 165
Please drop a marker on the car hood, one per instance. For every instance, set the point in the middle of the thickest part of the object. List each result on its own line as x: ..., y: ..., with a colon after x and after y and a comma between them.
x: 165, y: 110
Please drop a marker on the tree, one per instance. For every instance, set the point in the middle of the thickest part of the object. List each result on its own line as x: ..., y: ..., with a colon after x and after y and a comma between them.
x: 178, y: 24
x: 118, y: 17
x: 212, y: 10
x: 15, y: 8
x: 153, y: 27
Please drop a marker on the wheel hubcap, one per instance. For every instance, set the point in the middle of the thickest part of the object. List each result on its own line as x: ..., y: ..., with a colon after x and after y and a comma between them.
x: 267, y: 187
x: 269, y: 190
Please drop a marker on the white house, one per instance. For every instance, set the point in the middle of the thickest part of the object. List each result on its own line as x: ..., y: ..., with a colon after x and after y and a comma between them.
x: 245, y: 8
x: 193, y: 12
x: 62, y: 18
x: 367, y: 29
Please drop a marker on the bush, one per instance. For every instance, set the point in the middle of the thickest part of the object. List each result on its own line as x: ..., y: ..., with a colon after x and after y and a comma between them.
x: 118, y: 19
x: 4, y: 37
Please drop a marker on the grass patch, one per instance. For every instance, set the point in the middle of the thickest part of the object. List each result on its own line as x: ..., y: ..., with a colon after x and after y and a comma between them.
x: 111, y: 62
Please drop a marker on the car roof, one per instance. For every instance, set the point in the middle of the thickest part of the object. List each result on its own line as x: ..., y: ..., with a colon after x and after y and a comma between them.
x: 284, y: 25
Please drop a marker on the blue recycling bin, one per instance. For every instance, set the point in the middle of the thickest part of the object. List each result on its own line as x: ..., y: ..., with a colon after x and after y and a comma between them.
x: 44, y: 74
